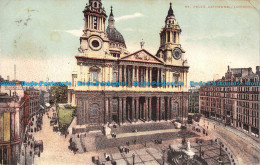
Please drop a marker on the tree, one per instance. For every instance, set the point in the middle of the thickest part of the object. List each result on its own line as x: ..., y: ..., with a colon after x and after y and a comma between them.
x: 60, y: 94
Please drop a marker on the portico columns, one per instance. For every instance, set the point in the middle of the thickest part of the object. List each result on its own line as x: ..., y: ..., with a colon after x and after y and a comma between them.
x: 107, y: 111
x: 137, y: 74
x: 120, y: 73
x: 124, y: 109
x: 146, y: 108
x: 158, y: 74
x: 125, y: 67
x: 157, y: 109
x: 120, y: 110
x: 110, y: 110
x: 161, y: 107
x: 146, y: 75
x: 150, y: 108
x: 133, y: 109
x: 150, y: 72
x: 171, y: 110
x: 133, y: 76
x: 137, y: 108
x: 168, y: 117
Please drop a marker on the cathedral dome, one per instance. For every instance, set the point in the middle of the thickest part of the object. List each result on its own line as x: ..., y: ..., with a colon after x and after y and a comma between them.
x: 114, y: 35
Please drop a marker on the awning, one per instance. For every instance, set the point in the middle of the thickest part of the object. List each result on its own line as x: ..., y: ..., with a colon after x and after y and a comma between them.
x: 47, y: 104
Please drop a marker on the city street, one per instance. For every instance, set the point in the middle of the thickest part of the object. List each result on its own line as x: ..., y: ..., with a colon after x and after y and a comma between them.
x: 55, y: 148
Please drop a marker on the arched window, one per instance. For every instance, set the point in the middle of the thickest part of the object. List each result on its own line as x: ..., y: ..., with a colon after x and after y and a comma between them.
x: 94, y: 73
x: 95, y: 4
x: 94, y: 76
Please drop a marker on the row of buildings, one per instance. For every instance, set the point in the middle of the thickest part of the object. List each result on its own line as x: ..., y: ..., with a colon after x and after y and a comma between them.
x: 237, y: 106
x: 17, y: 106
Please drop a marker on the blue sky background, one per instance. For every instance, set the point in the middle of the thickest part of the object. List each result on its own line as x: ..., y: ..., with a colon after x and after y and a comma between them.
x: 42, y: 37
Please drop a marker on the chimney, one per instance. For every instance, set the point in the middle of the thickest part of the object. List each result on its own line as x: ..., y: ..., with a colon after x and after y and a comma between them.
x: 257, y: 68
x: 7, y: 78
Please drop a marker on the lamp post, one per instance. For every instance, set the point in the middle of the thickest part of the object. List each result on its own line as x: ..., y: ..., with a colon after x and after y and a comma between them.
x: 200, y: 147
x: 163, y: 151
x: 133, y: 155
x: 25, y: 145
x: 220, y: 154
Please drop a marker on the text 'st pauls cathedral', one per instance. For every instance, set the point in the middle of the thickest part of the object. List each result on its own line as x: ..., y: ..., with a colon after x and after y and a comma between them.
x: 103, y: 57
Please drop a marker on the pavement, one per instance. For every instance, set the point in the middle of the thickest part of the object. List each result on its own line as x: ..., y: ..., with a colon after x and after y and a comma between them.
x: 122, y: 135
x: 146, y: 151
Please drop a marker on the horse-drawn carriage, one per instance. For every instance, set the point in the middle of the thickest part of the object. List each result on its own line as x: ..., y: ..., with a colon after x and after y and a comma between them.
x: 38, y: 147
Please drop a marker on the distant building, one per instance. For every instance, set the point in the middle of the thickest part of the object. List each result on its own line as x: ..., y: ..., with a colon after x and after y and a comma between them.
x: 31, y: 104
x: 237, y: 106
x: 44, y: 99
x: 193, y: 100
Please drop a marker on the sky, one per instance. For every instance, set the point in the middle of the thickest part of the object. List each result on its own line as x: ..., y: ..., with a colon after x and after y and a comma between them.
x: 42, y: 37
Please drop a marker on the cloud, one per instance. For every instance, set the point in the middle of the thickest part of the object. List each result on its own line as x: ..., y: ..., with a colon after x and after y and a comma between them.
x: 125, y: 17
x: 75, y: 32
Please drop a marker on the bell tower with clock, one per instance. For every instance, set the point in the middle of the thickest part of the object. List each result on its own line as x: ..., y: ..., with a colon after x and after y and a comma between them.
x: 170, y: 48
x: 94, y: 42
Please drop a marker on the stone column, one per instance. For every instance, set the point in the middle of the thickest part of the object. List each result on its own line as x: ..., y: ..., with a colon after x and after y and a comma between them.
x: 137, y: 108
x: 168, y: 117
x: 158, y: 74
x: 146, y: 109
x: 157, y: 109
x: 150, y: 72
x: 110, y: 109
x: 141, y: 71
x: 150, y: 108
x: 120, y: 110
x: 146, y: 76
x: 106, y: 111
x: 125, y: 74
x: 171, y: 110
x: 124, y: 109
x: 137, y: 74
x: 161, y: 107
x: 120, y: 73
x: 133, y: 109
x: 133, y: 76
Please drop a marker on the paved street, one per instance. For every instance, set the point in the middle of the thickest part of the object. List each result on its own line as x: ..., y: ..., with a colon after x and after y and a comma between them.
x: 56, y: 147
x: 246, y: 151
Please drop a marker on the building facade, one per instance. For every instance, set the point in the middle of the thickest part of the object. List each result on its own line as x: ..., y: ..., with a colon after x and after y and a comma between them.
x: 103, y: 57
x: 11, y: 111
x: 193, y: 100
x: 31, y: 105
x: 238, y: 105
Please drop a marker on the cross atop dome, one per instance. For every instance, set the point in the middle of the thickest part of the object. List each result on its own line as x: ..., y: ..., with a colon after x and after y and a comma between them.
x: 111, y: 13
x: 170, y: 11
x: 142, y: 43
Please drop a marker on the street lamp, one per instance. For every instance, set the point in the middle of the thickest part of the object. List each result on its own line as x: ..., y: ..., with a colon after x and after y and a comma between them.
x: 220, y: 161
x: 133, y: 155
x: 200, y: 142
x: 163, y: 151
x: 25, y: 145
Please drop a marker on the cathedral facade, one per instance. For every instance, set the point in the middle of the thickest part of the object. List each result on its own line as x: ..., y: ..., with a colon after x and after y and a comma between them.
x: 103, y: 57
